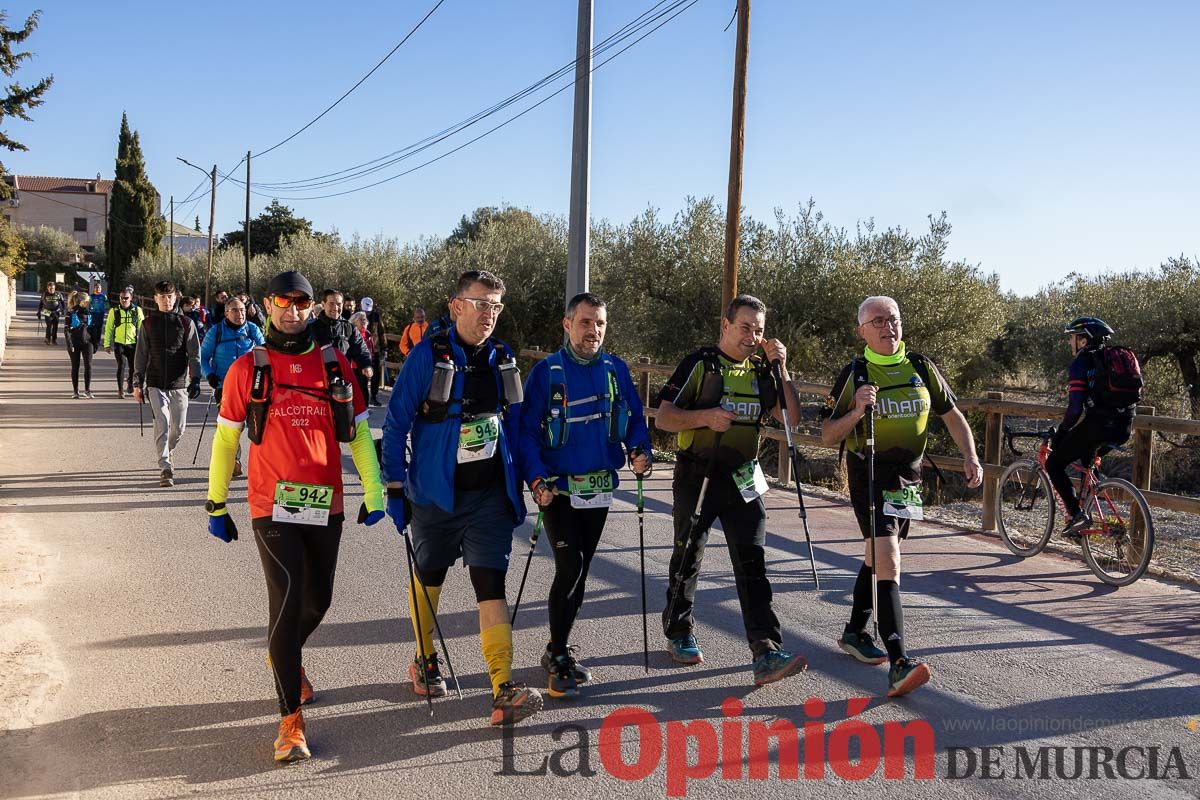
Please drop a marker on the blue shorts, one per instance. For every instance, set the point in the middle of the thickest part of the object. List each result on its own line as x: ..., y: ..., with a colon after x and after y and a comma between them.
x: 479, y: 531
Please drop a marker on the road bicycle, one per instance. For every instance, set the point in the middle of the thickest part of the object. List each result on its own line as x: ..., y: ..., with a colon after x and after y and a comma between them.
x: 1119, y: 542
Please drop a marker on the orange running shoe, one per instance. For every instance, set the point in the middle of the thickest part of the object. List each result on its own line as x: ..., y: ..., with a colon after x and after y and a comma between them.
x: 291, y: 744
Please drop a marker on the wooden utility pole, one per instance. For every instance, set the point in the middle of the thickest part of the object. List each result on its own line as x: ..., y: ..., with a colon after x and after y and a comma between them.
x: 737, y: 146
x: 172, y: 237
x: 247, y: 248
x: 212, y: 215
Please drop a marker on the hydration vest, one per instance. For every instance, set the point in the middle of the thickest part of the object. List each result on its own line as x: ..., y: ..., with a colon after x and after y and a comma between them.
x: 713, y: 389
x: 339, y: 394
x: 436, y: 406
x: 557, y: 421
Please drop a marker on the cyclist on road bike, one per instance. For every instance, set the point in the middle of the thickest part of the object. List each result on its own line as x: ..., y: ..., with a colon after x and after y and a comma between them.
x: 1090, y: 422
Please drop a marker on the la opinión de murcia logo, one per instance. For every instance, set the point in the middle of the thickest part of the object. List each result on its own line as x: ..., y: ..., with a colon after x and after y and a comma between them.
x: 634, y: 745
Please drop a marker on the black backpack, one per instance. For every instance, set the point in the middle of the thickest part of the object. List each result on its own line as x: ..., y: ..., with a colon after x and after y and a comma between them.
x: 1117, y: 381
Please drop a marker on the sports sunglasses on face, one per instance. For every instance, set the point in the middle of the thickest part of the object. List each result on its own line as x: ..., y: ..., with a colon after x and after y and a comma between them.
x: 283, y: 301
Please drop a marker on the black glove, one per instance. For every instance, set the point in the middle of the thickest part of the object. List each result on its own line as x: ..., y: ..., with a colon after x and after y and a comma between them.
x: 212, y: 381
x: 217, y: 396
x: 193, y: 389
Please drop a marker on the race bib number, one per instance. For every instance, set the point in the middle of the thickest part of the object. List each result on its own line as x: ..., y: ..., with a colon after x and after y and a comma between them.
x: 904, y: 503
x: 750, y: 480
x: 477, y: 439
x: 593, y: 490
x: 302, y: 503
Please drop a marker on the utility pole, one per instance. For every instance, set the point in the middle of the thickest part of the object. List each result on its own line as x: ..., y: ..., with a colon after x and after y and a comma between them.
x: 581, y: 153
x: 212, y: 214
x: 247, y: 223
x: 737, y: 146
x: 172, y: 237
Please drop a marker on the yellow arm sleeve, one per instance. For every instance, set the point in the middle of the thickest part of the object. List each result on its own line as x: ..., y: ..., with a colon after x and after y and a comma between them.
x: 366, y: 461
x: 220, y: 465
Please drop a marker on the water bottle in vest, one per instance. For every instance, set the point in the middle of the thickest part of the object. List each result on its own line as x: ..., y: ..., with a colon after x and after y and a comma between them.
x: 341, y: 394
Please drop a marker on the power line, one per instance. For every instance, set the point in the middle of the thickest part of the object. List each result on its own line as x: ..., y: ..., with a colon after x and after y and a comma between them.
x: 615, y: 37
x: 677, y: 8
x: 311, y: 122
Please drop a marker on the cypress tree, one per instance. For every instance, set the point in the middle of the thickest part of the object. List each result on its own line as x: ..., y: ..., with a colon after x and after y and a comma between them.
x: 134, y: 222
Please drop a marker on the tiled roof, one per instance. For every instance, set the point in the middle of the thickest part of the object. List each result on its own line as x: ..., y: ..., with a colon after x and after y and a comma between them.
x: 37, y: 183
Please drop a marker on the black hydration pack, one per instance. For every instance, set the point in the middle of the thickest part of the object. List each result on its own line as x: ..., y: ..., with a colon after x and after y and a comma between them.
x: 713, y: 390
x: 858, y: 370
x: 339, y: 394
x: 436, y: 406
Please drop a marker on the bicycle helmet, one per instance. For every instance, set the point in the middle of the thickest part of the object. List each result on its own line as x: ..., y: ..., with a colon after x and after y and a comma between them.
x: 1093, y: 328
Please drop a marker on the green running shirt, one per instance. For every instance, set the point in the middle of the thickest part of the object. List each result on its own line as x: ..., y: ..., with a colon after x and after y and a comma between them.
x: 901, y: 409
x: 740, y: 394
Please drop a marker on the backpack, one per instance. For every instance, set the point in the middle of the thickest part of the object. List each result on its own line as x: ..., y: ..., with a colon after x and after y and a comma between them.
x: 1117, y: 381
x: 858, y: 368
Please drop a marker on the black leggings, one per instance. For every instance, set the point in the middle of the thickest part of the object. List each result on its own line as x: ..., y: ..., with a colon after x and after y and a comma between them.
x: 85, y: 354
x: 51, y: 329
x: 573, y: 534
x: 1082, y: 443
x: 299, y: 562
x: 124, y: 355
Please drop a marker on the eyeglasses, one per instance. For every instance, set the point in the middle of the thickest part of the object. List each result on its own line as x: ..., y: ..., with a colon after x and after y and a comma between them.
x: 235, y: 311
x: 283, y: 301
x: 483, y: 305
x: 883, y: 322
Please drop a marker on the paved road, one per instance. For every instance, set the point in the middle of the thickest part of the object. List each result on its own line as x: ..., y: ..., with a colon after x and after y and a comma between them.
x: 132, y: 644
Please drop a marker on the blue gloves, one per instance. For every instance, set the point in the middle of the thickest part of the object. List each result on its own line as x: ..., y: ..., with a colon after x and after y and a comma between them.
x: 399, y: 508
x: 222, y: 527
x: 368, y: 517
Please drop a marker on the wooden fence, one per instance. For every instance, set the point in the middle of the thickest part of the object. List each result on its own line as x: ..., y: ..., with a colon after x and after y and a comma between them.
x: 995, y: 408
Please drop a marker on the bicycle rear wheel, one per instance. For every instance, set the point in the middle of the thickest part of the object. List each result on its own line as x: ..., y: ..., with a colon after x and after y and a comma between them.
x: 1120, y: 542
x: 1025, y: 508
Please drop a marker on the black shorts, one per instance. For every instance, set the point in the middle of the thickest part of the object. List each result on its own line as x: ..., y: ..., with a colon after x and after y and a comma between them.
x: 888, y: 476
x: 479, y: 531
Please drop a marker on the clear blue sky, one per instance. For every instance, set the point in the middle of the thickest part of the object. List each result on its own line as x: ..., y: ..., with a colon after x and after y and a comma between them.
x: 1059, y: 136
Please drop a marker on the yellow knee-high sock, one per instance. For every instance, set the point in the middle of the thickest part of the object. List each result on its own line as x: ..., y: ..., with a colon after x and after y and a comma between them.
x: 426, y: 635
x: 497, y: 645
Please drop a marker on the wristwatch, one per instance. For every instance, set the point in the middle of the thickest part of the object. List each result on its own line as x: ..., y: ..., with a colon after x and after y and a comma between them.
x: 210, y: 506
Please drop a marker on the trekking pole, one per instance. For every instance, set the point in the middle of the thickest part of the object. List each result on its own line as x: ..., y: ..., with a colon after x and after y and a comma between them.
x: 870, y: 420
x: 537, y: 530
x: 641, y: 512
x: 141, y: 419
x: 787, y: 430
x: 692, y: 523
x: 200, y: 441
x: 412, y: 590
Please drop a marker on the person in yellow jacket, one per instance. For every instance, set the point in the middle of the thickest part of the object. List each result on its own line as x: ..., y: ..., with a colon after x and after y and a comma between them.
x: 121, y: 328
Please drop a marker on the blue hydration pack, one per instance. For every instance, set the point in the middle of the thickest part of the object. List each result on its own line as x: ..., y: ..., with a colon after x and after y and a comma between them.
x: 556, y: 423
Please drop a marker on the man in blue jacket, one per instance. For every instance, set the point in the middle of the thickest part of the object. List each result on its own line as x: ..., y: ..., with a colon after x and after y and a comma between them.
x: 580, y: 408
x: 224, y: 343
x: 458, y: 396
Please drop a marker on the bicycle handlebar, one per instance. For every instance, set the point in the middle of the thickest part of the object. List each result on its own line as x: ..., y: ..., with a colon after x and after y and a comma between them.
x: 1009, y: 434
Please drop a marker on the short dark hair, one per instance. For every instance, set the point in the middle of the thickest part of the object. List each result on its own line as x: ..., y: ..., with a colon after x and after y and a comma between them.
x: 164, y: 287
x: 593, y: 300
x: 488, y: 279
x: 328, y: 293
x: 744, y: 301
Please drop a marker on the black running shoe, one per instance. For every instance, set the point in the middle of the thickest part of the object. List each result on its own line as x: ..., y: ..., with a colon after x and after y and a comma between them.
x: 582, y: 673
x: 562, y: 683
x: 1074, y: 530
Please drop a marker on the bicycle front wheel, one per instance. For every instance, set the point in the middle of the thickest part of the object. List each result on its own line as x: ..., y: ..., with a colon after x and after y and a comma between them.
x: 1120, y: 542
x: 1025, y: 508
